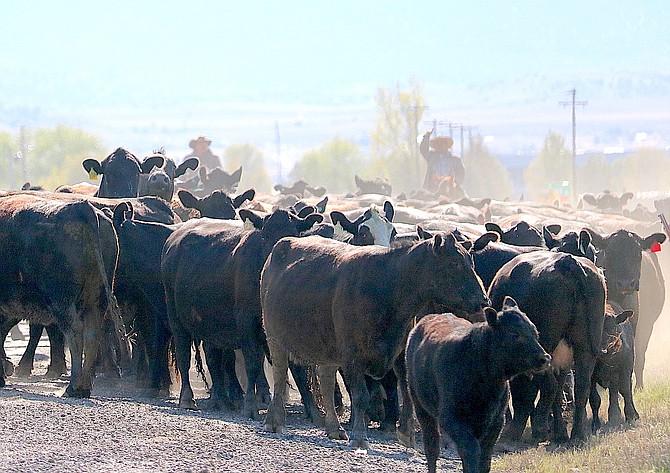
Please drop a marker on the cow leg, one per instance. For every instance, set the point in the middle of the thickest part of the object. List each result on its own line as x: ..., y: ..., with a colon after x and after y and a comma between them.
x: 641, y: 342
x: 6, y: 366
x: 376, y: 410
x: 559, y: 429
x: 25, y: 366
x: 523, y: 392
x: 431, y: 436
x: 57, y: 365
x: 253, y: 362
x: 275, y: 420
x: 391, y: 402
x: 614, y: 416
x: 300, y: 376
x: 158, y: 357
x: 263, y: 387
x: 233, y: 389
x: 214, y: 358
x: 594, y: 402
x: 182, y: 342
x: 488, y: 441
x: 405, y: 431
x: 540, y: 419
x: 360, y: 401
x: 584, y: 363
x: 327, y: 377
x: 626, y: 389
x: 469, y: 448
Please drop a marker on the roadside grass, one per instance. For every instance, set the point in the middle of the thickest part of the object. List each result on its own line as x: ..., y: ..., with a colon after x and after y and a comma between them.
x: 641, y: 448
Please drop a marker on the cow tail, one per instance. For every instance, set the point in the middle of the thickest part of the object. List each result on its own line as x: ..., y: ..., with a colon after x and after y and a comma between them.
x: 198, y: 362
x: 594, y: 306
x: 113, y: 311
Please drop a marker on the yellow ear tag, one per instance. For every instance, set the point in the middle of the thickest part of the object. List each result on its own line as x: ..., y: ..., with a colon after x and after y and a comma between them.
x: 92, y: 175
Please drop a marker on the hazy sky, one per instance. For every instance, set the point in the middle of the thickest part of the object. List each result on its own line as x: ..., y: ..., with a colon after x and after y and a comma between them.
x: 161, y: 52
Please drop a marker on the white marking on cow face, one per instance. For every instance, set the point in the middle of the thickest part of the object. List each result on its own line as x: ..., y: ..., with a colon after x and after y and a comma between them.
x: 340, y: 233
x: 380, y: 228
x: 562, y: 358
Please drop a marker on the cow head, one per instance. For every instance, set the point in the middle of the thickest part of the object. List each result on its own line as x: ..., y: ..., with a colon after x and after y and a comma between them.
x: 608, y: 202
x: 160, y: 181
x: 279, y: 224
x: 371, y: 228
x: 613, y: 331
x: 120, y: 173
x: 577, y: 244
x: 215, y: 205
x: 516, y: 340
x: 449, y: 265
x: 620, y: 257
x: 520, y: 234
x: 376, y: 185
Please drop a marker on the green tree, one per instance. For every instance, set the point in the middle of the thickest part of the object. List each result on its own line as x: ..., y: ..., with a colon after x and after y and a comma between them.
x: 648, y: 169
x: 393, y: 142
x: 485, y: 176
x: 595, y: 175
x: 52, y: 157
x: 332, y: 166
x: 552, y: 167
x: 254, y: 171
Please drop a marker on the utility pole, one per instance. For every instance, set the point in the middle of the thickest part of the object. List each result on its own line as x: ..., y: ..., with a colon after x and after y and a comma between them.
x: 574, y: 138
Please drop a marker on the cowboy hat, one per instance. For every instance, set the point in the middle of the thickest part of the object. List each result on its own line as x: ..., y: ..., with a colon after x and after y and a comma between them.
x: 441, y: 143
x: 200, y: 139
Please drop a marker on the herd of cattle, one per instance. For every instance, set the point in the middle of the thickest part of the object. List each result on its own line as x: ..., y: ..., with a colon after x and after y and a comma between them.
x: 428, y: 309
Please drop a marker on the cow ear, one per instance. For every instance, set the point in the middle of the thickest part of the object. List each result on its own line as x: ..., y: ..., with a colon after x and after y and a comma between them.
x: 321, y: 205
x: 423, y: 233
x: 493, y: 227
x: 306, y: 210
x: 651, y: 239
x: 491, y: 316
x: 590, y: 199
x: 625, y: 198
x: 92, y: 164
x: 509, y: 303
x: 256, y: 220
x: 152, y: 161
x: 584, y: 241
x: 338, y: 217
x: 190, y: 163
x: 389, y: 211
x: 357, y: 180
x: 249, y: 195
x: 549, y: 239
x: 623, y: 316
x: 188, y: 200
x: 122, y: 212
x: 237, y: 175
x: 306, y: 223
x: 554, y: 228
x: 485, y: 239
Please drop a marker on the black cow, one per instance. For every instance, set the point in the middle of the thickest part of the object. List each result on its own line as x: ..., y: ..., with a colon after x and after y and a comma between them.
x: 521, y: 234
x: 564, y: 296
x: 160, y: 181
x: 217, y: 204
x: 140, y: 294
x: 608, y: 202
x: 206, y: 181
x: 211, y: 273
x: 614, y: 369
x: 457, y: 374
x: 359, y: 303
x: 620, y: 254
x: 57, y: 263
x: 376, y: 185
x: 120, y: 172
